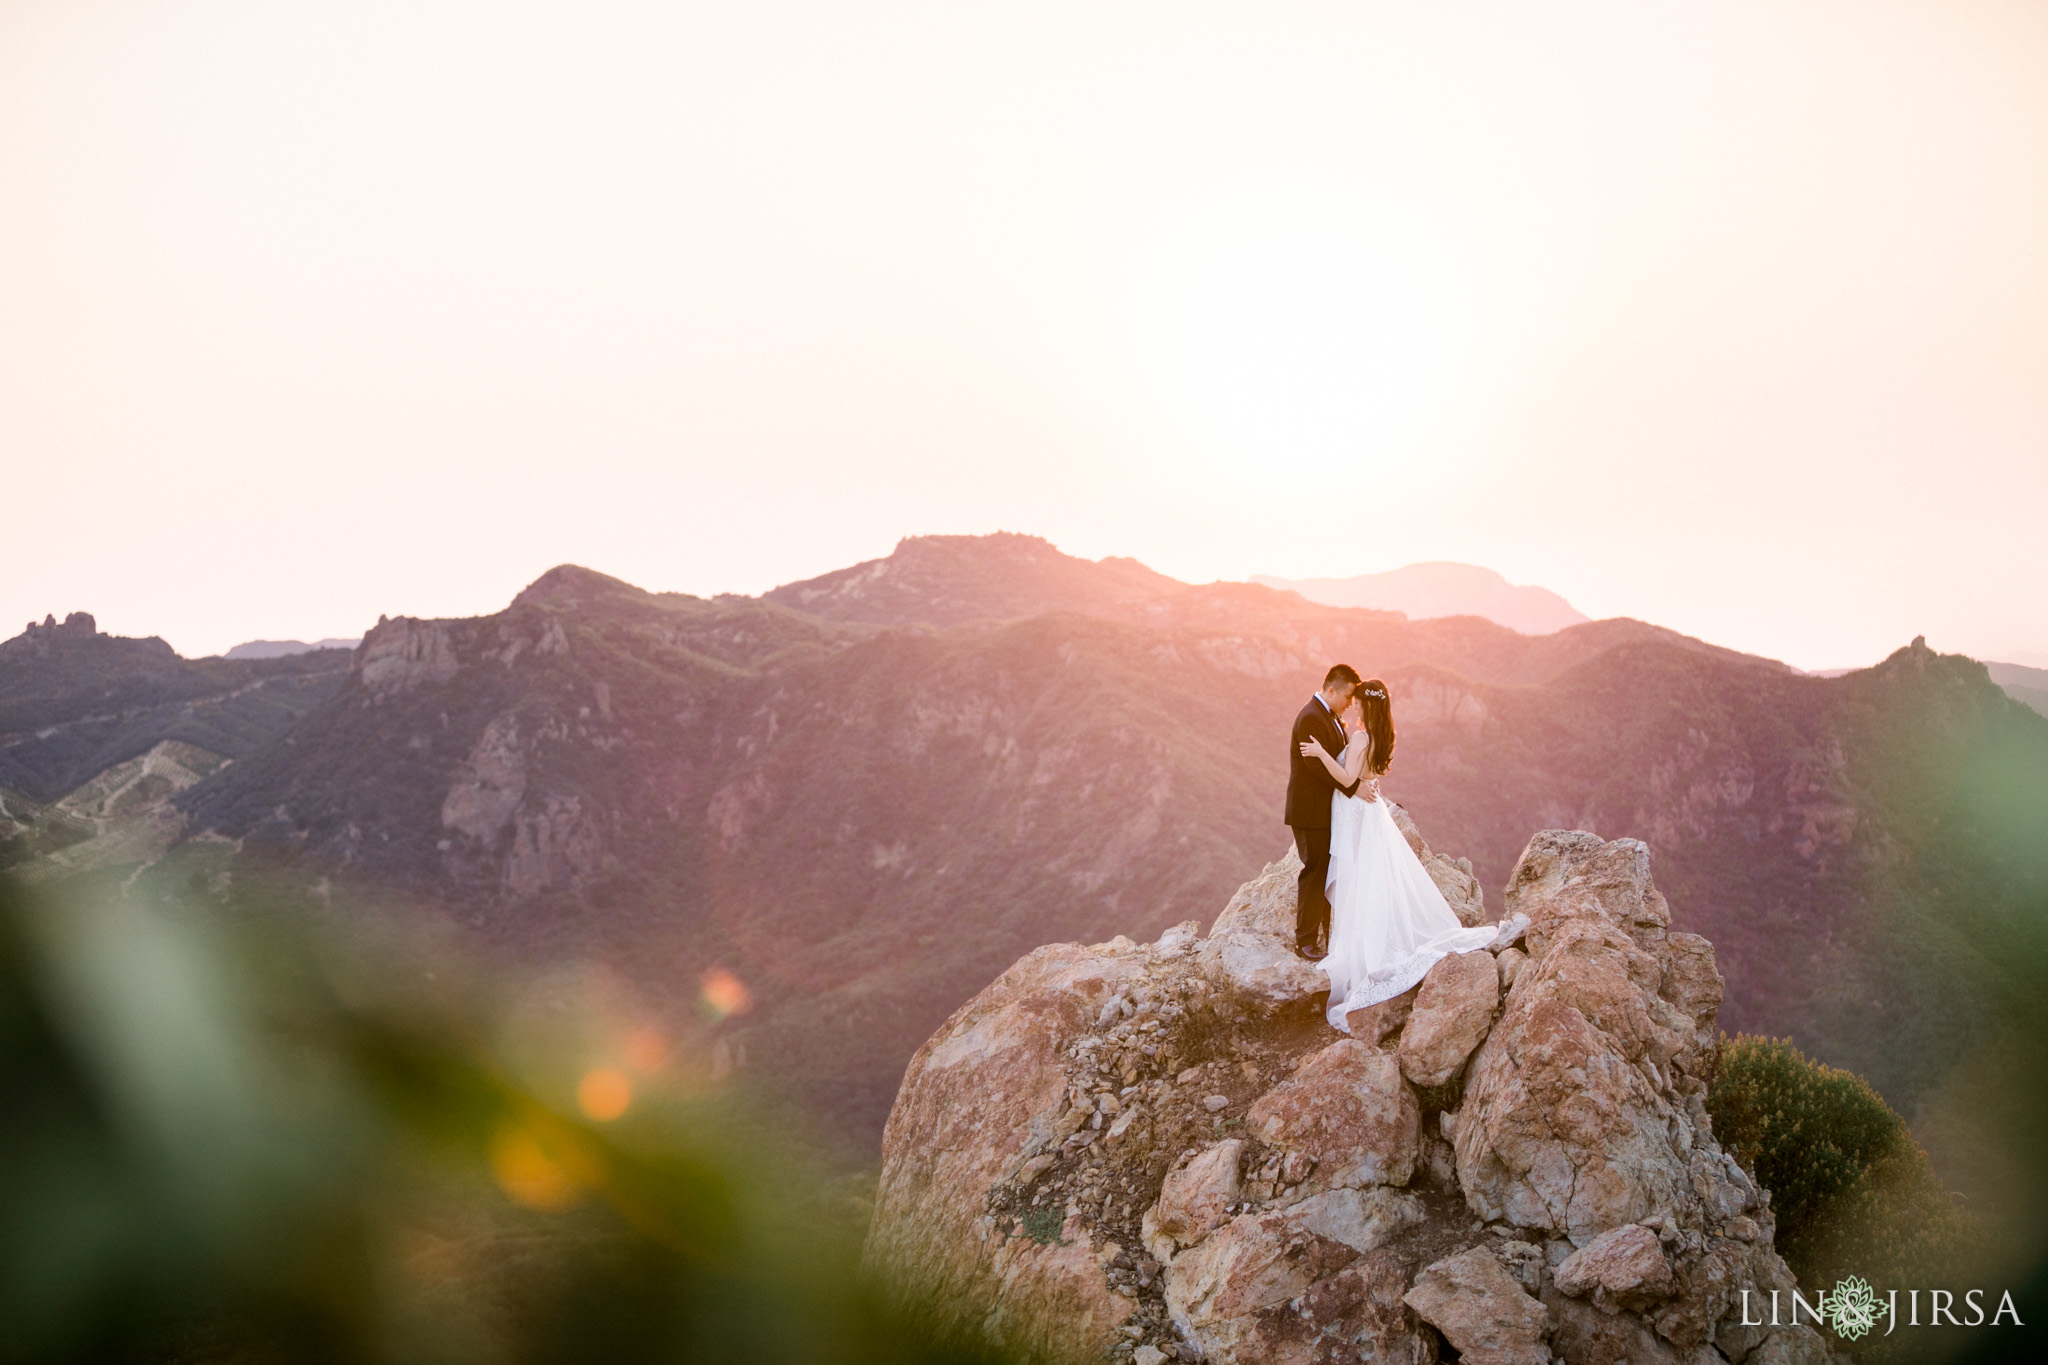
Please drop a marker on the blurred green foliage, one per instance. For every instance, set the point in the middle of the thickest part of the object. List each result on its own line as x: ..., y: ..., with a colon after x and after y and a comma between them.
x: 1851, y: 1189
x: 220, y: 1143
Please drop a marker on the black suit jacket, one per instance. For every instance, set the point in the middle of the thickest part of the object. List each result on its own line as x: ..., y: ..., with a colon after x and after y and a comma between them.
x: 1309, y: 783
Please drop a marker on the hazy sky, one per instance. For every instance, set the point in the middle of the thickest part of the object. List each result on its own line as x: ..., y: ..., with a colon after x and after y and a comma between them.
x: 1732, y: 317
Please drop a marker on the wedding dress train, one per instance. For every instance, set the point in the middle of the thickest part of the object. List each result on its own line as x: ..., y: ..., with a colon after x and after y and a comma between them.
x: 1388, y: 923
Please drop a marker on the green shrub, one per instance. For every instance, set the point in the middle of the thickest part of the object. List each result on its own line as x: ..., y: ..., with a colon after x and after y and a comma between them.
x: 1851, y: 1190
x: 1043, y: 1224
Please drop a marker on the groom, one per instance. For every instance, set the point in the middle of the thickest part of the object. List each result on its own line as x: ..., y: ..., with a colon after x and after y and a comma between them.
x: 1309, y: 785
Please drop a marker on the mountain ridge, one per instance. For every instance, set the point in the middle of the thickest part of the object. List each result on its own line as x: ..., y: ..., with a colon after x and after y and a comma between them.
x: 1441, y: 588
x: 867, y: 815
x: 279, y: 649
x: 77, y: 705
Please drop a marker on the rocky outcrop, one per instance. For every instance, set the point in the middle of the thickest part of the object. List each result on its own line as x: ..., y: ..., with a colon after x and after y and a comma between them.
x: 76, y: 624
x: 993, y: 1107
x: 1164, y: 1152
x: 404, y: 653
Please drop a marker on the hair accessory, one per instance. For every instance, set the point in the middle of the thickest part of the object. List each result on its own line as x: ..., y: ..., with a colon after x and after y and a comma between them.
x: 1372, y: 692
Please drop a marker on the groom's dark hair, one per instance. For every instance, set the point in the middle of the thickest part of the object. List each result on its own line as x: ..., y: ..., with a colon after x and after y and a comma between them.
x: 1341, y: 673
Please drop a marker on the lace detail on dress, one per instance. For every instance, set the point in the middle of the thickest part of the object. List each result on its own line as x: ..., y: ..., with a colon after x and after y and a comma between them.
x: 1388, y: 982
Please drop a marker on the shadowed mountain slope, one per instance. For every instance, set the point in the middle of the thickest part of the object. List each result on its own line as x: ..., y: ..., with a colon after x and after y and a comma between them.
x: 2022, y: 684
x: 119, y: 723
x: 866, y: 821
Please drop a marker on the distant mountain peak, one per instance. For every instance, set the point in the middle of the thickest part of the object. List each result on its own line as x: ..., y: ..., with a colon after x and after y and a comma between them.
x: 1441, y: 588
x: 571, y: 585
x: 78, y: 635
x: 955, y: 580
x: 77, y: 623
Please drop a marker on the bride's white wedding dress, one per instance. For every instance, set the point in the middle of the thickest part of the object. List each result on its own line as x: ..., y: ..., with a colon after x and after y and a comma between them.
x: 1388, y: 923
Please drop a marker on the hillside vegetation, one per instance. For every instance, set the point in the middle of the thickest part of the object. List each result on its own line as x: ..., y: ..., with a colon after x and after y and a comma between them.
x: 867, y: 794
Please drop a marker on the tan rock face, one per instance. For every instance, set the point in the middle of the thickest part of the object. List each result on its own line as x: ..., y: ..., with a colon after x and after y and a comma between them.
x: 1354, y: 1315
x: 1692, y: 985
x: 1585, y: 1335
x: 1265, y: 904
x: 1364, y: 1220
x: 1252, y: 1262
x: 1052, y: 1296
x: 1261, y: 968
x: 1164, y: 1150
x: 1560, y: 1132
x: 1572, y: 875
x: 984, y: 1095
x: 1575, y: 1117
x: 404, y: 653
x: 1347, y: 1107
x: 488, y: 785
x: 1374, y: 1024
x: 1625, y: 1268
x: 1452, y: 1013
x: 1710, y: 1284
x: 1193, y: 1200
x: 1232, y: 1295
x: 1481, y: 1310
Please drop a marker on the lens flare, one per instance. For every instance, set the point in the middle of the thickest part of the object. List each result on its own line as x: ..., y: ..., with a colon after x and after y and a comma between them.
x: 604, y: 1094
x: 527, y: 1173
x: 724, y: 995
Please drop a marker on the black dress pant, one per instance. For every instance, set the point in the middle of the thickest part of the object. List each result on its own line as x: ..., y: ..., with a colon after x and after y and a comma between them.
x: 1312, y: 900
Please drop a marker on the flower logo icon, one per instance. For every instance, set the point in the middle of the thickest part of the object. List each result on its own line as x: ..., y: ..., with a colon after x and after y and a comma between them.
x: 1852, y: 1307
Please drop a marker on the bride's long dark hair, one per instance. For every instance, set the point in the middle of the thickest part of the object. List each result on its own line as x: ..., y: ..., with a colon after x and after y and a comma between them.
x: 1376, y: 715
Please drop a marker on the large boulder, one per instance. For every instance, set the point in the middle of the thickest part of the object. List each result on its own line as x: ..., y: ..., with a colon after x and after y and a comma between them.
x: 1374, y: 1024
x: 1566, y: 1126
x: 1221, y: 1293
x: 984, y: 1096
x: 1481, y: 1310
x: 1570, y: 875
x: 1252, y: 1262
x: 1452, y: 1013
x: 1147, y: 1153
x: 1265, y: 904
x: 1348, y: 1109
x: 1625, y: 1268
x: 1261, y: 969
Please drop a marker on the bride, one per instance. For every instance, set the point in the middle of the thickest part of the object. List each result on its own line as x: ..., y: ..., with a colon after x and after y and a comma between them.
x: 1388, y: 922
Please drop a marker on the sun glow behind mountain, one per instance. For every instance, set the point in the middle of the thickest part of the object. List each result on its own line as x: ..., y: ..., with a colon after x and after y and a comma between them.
x: 1289, y: 319
x: 1695, y: 314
